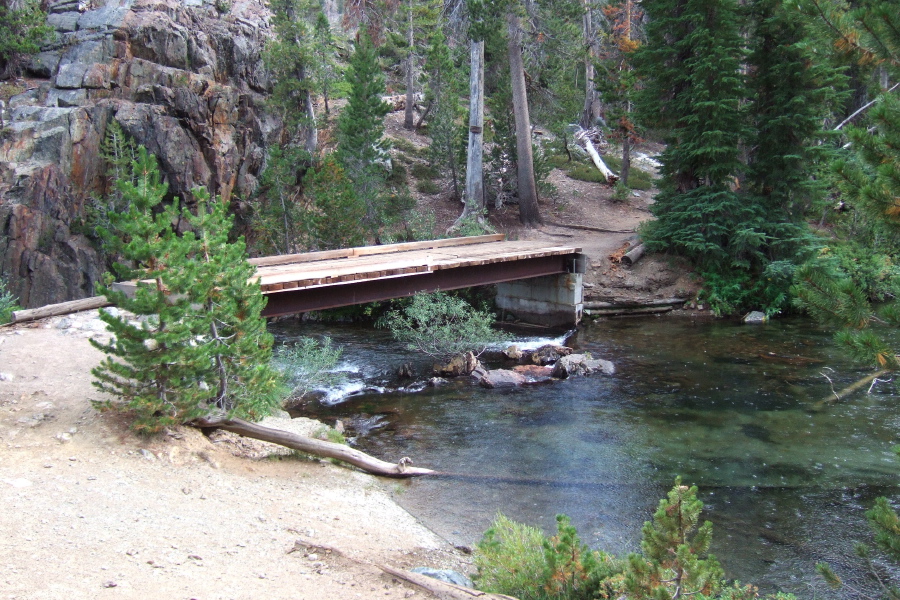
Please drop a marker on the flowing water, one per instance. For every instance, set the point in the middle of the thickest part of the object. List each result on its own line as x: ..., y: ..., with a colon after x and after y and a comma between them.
x: 741, y: 411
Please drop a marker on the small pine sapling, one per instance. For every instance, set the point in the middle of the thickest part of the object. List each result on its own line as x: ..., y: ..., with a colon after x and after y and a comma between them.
x: 672, y: 563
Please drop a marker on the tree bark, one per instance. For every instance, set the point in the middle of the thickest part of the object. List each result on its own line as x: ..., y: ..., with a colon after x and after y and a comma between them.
x: 408, y: 120
x: 591, y: 111
x: 474, y: 198
x: 312, y: 446
x: 529, y: 213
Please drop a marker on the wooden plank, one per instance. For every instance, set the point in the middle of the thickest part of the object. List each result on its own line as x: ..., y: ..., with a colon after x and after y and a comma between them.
x: 408, y: 246
x: 282, y: 259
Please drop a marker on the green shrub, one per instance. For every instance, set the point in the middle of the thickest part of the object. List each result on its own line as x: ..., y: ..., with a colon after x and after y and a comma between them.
x: 22, y: 31
x: 510, y: 560
x: 428, y: 187
x: 583, y: 172
x: 473, y: 225
x: 442, y: 326
x: 423, y: 171
x: 558, y: 161
x: 7, y: 303
x: 521, y: 561
x: 404, y: 145
x: 308, y: 364
x: 398, y: 175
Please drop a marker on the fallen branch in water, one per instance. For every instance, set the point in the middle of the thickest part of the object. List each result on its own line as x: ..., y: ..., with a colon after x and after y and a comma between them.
x: 841, y: 395
x: 320, y: 448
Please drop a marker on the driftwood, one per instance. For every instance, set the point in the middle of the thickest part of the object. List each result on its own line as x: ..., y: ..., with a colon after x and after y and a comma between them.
x: 633, y: 255
x: 441, y: 589
x: 321, y: 448
x: 841, y: 395
x: 55, y: 310
x: 648, y: 303
x: 613, y: 312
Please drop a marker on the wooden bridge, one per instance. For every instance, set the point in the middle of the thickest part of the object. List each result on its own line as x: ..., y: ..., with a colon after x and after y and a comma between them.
x: 318, y: 280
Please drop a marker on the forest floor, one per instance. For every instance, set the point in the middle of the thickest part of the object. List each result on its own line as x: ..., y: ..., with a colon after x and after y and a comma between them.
x: 91, y: 510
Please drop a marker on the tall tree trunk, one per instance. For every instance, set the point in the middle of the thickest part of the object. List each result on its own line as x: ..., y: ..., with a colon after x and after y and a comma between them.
x: 312, y: 132
x: 591, y: 111
x: 408, y: 121
x: 474, y: 198
x: 529, y: 213
x: 626, y: 159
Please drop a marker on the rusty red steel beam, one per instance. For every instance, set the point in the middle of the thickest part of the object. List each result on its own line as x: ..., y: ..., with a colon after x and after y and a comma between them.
x: 298, y: 300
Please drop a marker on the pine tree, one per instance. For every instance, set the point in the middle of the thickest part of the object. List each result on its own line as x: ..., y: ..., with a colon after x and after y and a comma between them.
x: 792, y: 89
x: 675, y: 562
x: 194, y: 343
x: 694, y: 52
x: 326, y: 66
x: 442, y: 94
x: 291, y: 58
x: 362, y: 149
x: 337, y: 215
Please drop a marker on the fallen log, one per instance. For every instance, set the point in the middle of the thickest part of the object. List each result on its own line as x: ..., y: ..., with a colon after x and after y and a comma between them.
x: 63, y: 308
x: 583, y: 136
x: 441, y: 589
x: 841, y: 395
x: 320, y: 448
x: 633, y: 255
x: 615, y: 312
x: 665, y: 302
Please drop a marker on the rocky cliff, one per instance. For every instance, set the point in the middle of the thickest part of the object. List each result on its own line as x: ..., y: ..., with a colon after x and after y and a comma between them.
x: 183, y: 77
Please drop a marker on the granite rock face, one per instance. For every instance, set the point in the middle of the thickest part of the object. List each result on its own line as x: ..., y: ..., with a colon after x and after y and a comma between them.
x: 181, y: 78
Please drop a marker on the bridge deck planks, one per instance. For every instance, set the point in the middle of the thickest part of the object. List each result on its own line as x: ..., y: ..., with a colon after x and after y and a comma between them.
x: 396, y: 263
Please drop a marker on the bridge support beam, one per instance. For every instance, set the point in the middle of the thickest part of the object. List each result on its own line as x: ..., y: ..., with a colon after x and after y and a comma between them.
x: 552, y: 300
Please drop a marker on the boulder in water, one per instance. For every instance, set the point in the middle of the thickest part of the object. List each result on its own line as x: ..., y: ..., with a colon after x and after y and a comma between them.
x: 581, y: 364
x: 461, y: 364
x: 501, y: 378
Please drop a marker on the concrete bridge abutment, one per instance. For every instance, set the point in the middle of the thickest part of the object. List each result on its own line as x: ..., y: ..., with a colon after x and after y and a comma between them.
x: 551, y: 300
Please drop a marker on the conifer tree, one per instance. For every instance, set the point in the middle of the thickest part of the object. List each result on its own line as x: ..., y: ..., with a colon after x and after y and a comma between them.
x: 675, y: 562
x: 291, y: 58
x: 194, y: 343
x: 792, y: 89
x: 337, y: 215
x: 694, y: 52
x: 442, y: 95
x: 362, y: 149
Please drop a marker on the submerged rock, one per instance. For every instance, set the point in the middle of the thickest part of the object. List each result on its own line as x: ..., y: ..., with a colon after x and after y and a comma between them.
x: 535, y: 373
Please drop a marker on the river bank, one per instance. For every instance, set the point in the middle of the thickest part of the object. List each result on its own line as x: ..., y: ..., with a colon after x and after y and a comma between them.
x: 91, y: 510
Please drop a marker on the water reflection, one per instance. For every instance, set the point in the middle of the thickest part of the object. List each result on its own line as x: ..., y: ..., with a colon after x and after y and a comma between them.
x: 741, y: 411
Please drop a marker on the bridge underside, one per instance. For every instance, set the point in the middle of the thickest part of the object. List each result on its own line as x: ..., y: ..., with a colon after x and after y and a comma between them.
x: 297, y: 300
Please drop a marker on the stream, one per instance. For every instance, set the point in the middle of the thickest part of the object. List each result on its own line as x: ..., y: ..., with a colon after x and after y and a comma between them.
x: 741, y: 411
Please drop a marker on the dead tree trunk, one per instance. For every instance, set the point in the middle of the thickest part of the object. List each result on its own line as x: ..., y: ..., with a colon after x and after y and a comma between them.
x: 584, y: 137
x: 474, y: 198
x: 529, y: 213
x: 408, y: 121
x: 312, y: 446
x: 591, y: 111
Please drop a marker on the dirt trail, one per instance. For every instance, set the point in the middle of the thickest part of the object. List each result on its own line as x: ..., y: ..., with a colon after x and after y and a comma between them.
x: 91, y: 511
